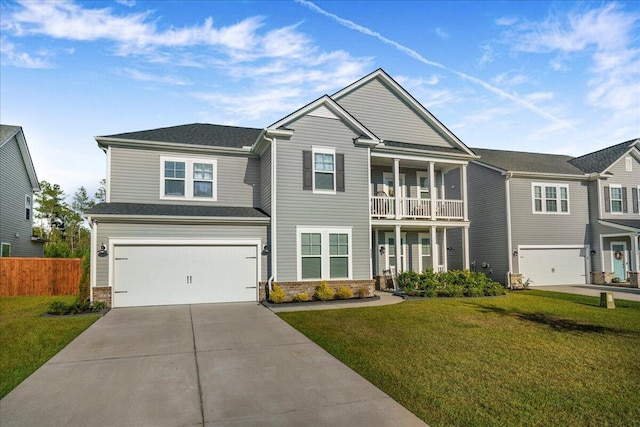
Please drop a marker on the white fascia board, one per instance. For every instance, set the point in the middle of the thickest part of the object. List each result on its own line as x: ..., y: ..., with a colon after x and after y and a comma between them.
x: 408, y: 98
x: 329, y: 103
x: 419, y: 158
x: 245, y: 151
x: 178, y: 219
x: 390, y: 149
x: 618, y: 226
x: 364, y: 142
x: 26, y: 157
x: 538, y: 175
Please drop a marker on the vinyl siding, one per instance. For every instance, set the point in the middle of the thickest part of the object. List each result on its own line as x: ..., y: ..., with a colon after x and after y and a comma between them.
x: 265, y: 181
x: 296, y: 207
x: 14, y: 185
x: 488, y: 242
x: 388, y: 116
x: 594, y: 228
x: 630, y: 180
x: 454, y: 235
x: 135, y: 178
x: 528, y: 228
x: 411, y: 179
x: 177, y: 231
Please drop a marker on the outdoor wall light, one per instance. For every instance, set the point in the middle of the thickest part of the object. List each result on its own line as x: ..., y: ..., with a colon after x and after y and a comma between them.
x: 515, y: 253
x: 102, y: 250
x: 593, y: 252
x: 381, y: 250
x: 449, y: 248
x: 266, y: 250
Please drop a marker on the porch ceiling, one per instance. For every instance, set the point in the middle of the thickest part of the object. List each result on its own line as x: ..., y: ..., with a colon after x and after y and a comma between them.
x: 412, y: 164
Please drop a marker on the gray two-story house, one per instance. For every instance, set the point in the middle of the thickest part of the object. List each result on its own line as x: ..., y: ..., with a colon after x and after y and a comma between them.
x: 555, y: 219
x: 339, y: 191
x: 18, y: 181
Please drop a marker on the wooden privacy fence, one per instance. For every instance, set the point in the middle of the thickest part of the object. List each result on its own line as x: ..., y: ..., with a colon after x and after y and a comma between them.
x: 39, y: 276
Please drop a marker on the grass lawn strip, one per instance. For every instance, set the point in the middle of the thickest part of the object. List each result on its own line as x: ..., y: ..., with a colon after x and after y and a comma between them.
x: 28, y: 339
x: 532, y: 358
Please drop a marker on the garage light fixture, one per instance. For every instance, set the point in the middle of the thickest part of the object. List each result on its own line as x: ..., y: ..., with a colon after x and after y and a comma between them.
x: 102, y: 250
x: 266, y: 250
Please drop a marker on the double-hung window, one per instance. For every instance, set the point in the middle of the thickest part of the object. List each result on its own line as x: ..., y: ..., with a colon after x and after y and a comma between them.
x: 5, y: 250
x: 324, y: 169
x: 615, y: 192
x: 28, y: 206
x: 184, y: 178
x: 324, y: 253
x: 550, y: 198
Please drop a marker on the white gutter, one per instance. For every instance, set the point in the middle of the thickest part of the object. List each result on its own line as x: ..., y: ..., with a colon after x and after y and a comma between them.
x: 176, y: 218
x: 170, y: 145
x: 93, y: 255
x: 507, y: 192
x: 274, y: 246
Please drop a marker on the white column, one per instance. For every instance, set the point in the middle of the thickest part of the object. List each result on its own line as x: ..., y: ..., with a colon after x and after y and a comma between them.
x: 398, y: 242
x: 445, y: 254
x: 432, y: 189
x: 396, y: 186
x: 463, y: 191
x: 435, y: 256
x: 93, y: 256
x: 634, y: 253
x: 465, y: 248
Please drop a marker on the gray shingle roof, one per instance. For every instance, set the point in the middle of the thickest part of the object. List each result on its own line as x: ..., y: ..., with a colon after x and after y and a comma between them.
x: 174, y: 210
x: 6, y: 131
x: 600, y: 160
x: 197, y: 134
x: 517, y: 161
x: 634, y: 223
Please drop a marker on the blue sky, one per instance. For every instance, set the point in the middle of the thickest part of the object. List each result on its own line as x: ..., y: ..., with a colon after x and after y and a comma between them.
x: 558, y: 77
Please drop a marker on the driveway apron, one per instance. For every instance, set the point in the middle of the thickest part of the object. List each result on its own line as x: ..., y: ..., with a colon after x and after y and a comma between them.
x: 210, y: 364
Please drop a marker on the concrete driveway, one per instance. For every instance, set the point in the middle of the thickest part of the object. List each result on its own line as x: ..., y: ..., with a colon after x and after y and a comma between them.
x: 630, y: 294
x: 211, y: 364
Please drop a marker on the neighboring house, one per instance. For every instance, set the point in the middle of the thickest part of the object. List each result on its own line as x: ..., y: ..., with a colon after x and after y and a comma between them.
x: 18, y: 181
x: 552, y: 218
x: 340, y: 190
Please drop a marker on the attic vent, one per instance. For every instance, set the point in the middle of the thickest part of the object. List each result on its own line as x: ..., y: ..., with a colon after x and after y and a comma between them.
x: 628, y: 164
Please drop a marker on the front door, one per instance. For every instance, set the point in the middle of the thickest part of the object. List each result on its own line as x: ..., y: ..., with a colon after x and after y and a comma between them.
x: 390, y: 243
x: 619, y: 260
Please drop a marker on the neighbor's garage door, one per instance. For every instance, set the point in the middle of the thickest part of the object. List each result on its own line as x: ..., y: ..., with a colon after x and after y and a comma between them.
x: 553, y: 266
x: 162, y: 275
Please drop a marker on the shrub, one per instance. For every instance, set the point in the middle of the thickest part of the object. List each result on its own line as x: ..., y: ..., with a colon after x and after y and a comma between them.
x: 324, y: 292
x: 452, y: 283
x: 363, y: 292
x: 344, y: 292
x: 78, y: 306
x: 277, y: 295
x: 57, y: 307
x: 301, y: 297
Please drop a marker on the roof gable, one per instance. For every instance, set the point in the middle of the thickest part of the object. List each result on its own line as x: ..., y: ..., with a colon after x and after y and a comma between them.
x: 600, y: 161
x: 7, y: 133
x: 193, y: 134
x: 386, y: 108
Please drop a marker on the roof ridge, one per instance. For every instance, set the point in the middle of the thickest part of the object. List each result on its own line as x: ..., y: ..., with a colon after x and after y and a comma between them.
x: 608, y: 148
x: 523, y: 152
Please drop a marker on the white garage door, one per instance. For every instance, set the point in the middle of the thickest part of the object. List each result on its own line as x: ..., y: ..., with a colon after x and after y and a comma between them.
x: 162, y: 275
x: 553, y: 266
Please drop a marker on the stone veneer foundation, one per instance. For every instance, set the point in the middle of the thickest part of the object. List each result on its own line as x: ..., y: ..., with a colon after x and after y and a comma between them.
x: 102, y: 294
x: 309, y: 287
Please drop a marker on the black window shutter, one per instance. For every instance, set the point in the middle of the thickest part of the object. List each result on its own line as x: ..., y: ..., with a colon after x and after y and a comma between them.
x: 636, y: 208
x: 307, y: 171
x: 624, y: 200
x: 340, y: 172
x: 607, y: 199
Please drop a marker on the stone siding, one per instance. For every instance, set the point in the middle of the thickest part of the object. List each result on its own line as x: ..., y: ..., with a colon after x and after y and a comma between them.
x: 102, y: 294
x: 309, y: 287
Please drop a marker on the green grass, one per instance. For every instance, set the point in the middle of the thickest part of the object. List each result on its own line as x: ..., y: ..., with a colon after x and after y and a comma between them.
x: 28, y: 340
x: 533, y: 358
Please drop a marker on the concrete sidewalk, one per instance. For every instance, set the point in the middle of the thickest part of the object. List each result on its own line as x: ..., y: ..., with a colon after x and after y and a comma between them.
x: 211, y: 364
x: 619, y: 292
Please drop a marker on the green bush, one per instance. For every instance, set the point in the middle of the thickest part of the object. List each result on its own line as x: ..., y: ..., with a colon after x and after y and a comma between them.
x: 277, y: 295
x: 344, y: 292
x: 324, y: 292
x: 363, y: 292
x: 76, y: 307
x: 57, y: 307
x: 301, y: 297
x: 454, y: 283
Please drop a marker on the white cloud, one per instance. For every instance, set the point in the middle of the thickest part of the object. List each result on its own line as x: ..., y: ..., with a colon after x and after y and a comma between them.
x: 128, y: 3
x: 510, y: 79
x: 441, y: 33
x: 507, y: 21
x: 154, y: 78
x: 487, y: 55
x: 540, y: 96
x: 11, y: 56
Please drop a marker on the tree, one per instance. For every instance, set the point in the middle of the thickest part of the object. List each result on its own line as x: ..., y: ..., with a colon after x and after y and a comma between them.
x: 50, y: 208
x: 81, y: 201
x: 101, y: 194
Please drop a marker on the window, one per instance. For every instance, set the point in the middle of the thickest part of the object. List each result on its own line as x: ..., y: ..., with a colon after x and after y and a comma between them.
x: 628, y: 164
x: 324, y: 171
x: 550, y: 198
x: 636, y: 209
x: 6, y: 250
x: 423, y: 184
x: 615, y: 192
x: 425, y: 251
x: 188, y: 178
x: 27, y: 207
x: 324, y: 253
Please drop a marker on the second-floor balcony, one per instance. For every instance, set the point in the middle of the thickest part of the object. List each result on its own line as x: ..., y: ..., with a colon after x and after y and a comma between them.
x: 416, y: 208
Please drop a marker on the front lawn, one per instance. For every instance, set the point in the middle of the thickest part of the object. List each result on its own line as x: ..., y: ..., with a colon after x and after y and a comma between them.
x: 28, y: 340
x: 531, y: 358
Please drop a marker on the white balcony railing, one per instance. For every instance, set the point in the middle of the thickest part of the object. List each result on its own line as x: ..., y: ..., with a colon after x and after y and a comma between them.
x: 415, y: 208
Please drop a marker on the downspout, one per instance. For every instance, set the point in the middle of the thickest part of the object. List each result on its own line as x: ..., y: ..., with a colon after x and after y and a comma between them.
x: 507, y: 192
x: 93, y: 261
x: 274, y: 246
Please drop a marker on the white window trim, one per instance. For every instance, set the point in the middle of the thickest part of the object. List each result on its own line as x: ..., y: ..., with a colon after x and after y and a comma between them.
x: 628, y: 164
x: 638, y: 199
x: 188, y: 179
x: 405, y: 249
x: 323, y: 150
x: 2, y: 245
x: 325, y: 258
x: 420, y: 254
x: 611, y: 211
x: 386, y: 176
x: 544, y: 198
x: 422, y: 174
x: 28, y: 204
